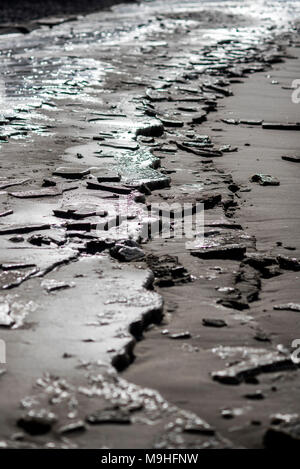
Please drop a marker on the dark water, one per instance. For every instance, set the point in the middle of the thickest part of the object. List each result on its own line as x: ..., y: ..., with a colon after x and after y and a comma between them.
x: 27, y: 10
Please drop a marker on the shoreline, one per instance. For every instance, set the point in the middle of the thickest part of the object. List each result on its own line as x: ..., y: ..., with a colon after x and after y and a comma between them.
x: 188, y: 363
x: 82, y: 134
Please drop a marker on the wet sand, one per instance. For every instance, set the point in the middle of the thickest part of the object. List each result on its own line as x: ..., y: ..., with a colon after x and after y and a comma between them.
x: 118, y: 120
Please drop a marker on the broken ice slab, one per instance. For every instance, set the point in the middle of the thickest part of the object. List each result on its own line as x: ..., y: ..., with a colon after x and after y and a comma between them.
x: 194, y: 424
x: 12, y: 182
x: 79, y: 211
x: 40, y: 239
x: 184, y: 108
x: 168, y: 148
x: 197, y: 142
x: 251, y: 122
x: 118, y: 296
x: 51, y: 285
x: 223, y: 223
x: 55, y: 21
x: 17, y: 239
x: 210, y: 322
x: 222, y: 246
x: 109, y: 177
x: 279, y: 418
x: 145, y: 180
x: 292, y: 159
x: 80, y: 226
x: 49, y: 182
x: 288, y: 307
x: 245, y: 289
x: 288, y: 263
x: 167, y: 270
x: 94, y: 246
x: 169, y: 122
x: 231, y: 121
x: 281, y: 126
x: 208, y: 199
x: 186, y: 98
x: 5, y: 213
x: 47, y: 192
x: 255, y: 396
x: 127, y: 251
x: 15, y: 229
x: 109, y: 416
x: 147, y: 140
x: 44, y: 259
x: 121, y: 144
x: 188, y: 89
x: 180, y: 335
x: 265, y: 180
x: 117, y: 189
x: 14, y: 278
x: 267, y: 265
x: 228, y: 149
x: 156, y: 96
x: 265, y: 361
x: 205, y: 152
x: 5, y: 319
x: 198, y: 118
x: 16, y: 265
x: 138, y: 161
x: 37, y: 422
x: 218, y: 89
x: 71, y: 173
x: 153, y: 128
